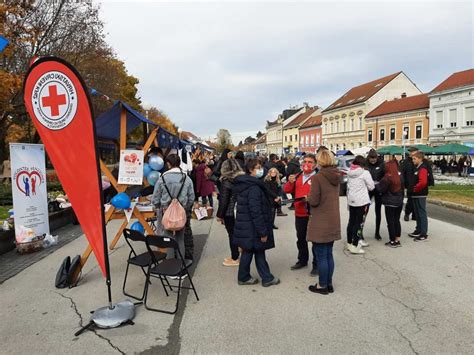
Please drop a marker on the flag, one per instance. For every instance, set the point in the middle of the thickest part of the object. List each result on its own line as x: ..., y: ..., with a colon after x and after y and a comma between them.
x: 3, y: 43
x: 57, y: 101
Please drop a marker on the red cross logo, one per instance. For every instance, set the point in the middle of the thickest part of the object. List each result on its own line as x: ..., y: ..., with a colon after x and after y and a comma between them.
x: 53, y: 101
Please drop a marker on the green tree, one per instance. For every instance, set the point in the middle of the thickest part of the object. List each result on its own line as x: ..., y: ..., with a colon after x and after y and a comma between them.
x: 224, y: 140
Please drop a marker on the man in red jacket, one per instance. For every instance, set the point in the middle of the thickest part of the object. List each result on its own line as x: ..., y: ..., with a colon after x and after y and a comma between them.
x: 300, y: 186
x: 420, y: 193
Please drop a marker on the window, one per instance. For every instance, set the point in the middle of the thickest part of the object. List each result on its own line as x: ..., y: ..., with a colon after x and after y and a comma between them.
x: 352, y: 124
x: 360, y: 122
x: 344, y: 146
x: 337, y: 126
x: 469, y: 114
x: 286, y: 138
x: 392, y: 133
x: 418, y: 131
x: 291, y: 138
x: 382, y: 134
x: 439, y: 119
x: 326, y: 128
x: 343, y: 125
x: 453, y: 117
x: 312, y: 140
x: 318, y: 138
x: 332, y: 127
x: 307, y: 140
x: 369, y: 135
x: 406, y: 132
x: 296, y: 138
x: 337, y: 147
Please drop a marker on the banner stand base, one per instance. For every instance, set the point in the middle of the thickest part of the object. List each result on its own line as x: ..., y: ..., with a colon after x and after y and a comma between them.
x: 111, y: 317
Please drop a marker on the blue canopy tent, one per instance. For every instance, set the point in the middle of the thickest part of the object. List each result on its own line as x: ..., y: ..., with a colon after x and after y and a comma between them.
x: 343, y: 152
x: 107, y: 125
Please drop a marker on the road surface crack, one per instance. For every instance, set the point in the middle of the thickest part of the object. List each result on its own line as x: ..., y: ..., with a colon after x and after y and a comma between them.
x: 413, y: 310
x: 81, y: 323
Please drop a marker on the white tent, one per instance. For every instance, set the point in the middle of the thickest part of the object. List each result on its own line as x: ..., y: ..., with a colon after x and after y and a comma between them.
x: 361, y: 151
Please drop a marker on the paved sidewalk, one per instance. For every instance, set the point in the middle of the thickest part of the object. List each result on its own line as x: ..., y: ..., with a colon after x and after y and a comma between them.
x: 415, y: 299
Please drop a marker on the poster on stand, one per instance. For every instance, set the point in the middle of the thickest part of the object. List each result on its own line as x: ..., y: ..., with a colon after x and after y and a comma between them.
x: 131, y: 167
x: 30, y: 197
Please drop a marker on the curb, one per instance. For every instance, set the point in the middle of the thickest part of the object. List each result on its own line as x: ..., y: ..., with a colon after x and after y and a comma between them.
x: 452, y: 205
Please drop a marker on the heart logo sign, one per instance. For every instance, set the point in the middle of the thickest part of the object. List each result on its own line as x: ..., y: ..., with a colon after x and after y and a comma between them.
x: 27, y: 181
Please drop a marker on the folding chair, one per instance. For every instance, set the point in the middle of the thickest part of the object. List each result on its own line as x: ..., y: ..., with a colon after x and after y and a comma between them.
x: 143, y: 260
x: 177, y: 266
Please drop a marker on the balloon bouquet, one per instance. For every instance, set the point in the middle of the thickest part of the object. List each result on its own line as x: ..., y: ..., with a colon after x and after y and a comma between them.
x: 152, y: 168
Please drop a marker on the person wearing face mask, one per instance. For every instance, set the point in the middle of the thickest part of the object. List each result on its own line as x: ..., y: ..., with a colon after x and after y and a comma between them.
x: 273, y: 185
x: 300, y: 185
x: 253, y: 231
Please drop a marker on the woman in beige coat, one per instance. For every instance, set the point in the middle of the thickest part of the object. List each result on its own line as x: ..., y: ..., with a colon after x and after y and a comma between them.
x: 324, y: 221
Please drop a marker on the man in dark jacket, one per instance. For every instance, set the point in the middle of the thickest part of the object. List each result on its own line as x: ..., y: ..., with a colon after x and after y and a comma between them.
x: 293, y: 167
x: 377, y: 171
x: 408, y: 174
x: 419, y: 195
x: 253, y: 230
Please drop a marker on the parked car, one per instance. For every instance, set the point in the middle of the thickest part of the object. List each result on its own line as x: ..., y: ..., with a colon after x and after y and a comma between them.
x: 344, y: 164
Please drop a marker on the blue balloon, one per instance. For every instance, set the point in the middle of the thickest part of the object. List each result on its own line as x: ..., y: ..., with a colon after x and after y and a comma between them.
x: 153, y: 177
x: 146, y: 169
x: 137, y: 226
x: 156, y: 162
x: 121, y: 201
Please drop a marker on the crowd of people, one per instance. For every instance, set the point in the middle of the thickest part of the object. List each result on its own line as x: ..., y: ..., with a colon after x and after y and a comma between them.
x: 461, y: 166
x: 251, y: 192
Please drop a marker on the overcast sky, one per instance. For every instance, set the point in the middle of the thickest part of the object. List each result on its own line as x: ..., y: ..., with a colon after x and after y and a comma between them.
x: 234, y: 65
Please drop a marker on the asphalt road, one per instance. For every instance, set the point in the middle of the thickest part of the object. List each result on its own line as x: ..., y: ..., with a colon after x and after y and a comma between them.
x: 414, y: 299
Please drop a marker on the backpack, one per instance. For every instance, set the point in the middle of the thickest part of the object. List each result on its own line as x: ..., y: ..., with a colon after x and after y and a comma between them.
x: 66, y: 272
x: 174, y: 218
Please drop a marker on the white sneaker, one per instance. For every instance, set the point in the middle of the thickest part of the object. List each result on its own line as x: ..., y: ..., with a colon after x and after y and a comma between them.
x: 347, y: 246
x: 363, y: 243
x: 356, y: 250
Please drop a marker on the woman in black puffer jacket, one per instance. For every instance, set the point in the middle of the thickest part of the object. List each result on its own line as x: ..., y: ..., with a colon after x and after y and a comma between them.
x: 225, y: 214
x: 391, y: 188
x: 253, y: 231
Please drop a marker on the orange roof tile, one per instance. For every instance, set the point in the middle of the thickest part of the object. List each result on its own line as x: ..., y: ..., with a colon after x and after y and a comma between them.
x: 459, y: 79
x: 313, y: 121
x: 409, y: 103
x: 301, y: 117
x: 361, y: 93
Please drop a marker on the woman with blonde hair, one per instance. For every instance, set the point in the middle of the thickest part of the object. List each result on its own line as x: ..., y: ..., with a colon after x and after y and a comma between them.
x: 273, y: 186
x: 324, y: 225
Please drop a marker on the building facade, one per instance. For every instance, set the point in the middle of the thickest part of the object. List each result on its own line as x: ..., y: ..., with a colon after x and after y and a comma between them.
x: 261, y: 145
x: 344, y: 120
x: 291, y: 128
x: 452, y: 110
x: 404, y: 121
x: 311, y: 134
x: 275, y: 132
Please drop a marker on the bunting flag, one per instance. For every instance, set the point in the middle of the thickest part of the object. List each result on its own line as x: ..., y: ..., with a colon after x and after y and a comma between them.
x: 57, y: 101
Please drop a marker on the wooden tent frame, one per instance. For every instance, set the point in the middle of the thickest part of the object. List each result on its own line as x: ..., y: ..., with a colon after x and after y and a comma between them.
x: 112, y: 213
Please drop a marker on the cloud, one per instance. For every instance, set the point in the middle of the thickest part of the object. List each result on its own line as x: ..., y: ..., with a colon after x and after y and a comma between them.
x: 213, y: 65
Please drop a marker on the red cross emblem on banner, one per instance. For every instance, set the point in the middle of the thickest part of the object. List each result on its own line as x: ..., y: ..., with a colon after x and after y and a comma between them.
x: 54, y: 101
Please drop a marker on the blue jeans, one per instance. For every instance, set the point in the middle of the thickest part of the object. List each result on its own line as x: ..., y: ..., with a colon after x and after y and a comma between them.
x: 325, y: 262
x: 261, y: 263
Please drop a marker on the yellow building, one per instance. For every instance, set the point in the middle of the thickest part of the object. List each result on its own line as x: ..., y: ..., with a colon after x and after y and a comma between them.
x: 291, y: 128
x: 344, y: 120
x: 399, y: 122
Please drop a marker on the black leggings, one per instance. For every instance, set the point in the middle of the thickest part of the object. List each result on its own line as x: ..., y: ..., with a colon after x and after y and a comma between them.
x: 229, y: 222
x: 355, y: 226
x: 392, y: 215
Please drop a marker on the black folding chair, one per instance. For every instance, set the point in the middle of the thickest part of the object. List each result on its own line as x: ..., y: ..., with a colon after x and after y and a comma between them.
x: 178, y: 267
x: 143, y: 260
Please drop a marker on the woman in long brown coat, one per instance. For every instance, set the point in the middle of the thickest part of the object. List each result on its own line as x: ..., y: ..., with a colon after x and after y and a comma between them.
x: 324, y: 221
